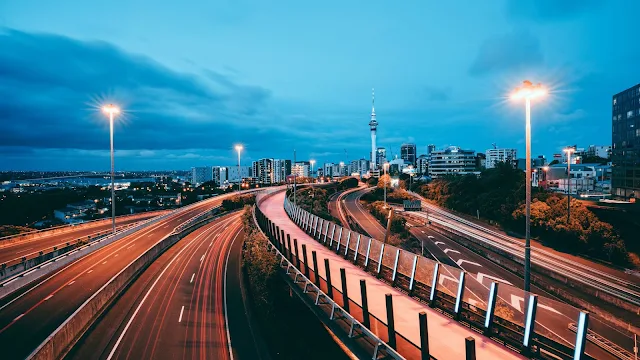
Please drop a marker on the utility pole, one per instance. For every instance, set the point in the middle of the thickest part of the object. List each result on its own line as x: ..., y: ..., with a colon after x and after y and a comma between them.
x: 386, y: 234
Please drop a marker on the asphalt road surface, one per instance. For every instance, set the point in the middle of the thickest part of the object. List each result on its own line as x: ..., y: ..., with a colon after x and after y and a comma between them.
x: 188, y: 304
x: 19, y: 249
x: 552, y: 317
x: 32, y: 313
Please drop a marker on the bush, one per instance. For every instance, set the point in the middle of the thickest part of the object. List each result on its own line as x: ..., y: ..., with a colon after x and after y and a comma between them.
x: 259, y: 264
x: 238, y: 201
x: 397, y: 228
x: 315, y: 200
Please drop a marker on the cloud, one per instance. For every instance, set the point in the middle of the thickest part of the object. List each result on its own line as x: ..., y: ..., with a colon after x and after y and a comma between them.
x: 437, y: 94
x: 570, y: 116
x: 549, y: 10
x: 53, y: 85
x: 513, y: 51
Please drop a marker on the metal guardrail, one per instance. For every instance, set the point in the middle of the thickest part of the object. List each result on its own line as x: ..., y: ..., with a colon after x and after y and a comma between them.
x: 356, y: 329
x: 383, y: 261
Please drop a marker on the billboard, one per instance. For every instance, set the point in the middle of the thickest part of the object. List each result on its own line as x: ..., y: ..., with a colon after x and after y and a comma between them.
x: 412, y: 205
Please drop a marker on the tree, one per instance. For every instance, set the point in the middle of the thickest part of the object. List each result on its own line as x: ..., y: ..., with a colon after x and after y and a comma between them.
x: 554, y: 162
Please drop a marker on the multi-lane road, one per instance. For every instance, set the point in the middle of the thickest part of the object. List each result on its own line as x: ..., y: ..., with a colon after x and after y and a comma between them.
x: 19, y: 248
x: 552, y: 318
x: 40, y: 307
x: 188, y: 304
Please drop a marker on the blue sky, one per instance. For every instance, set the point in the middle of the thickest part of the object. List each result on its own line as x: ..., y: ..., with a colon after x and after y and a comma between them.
x: 197, y: 77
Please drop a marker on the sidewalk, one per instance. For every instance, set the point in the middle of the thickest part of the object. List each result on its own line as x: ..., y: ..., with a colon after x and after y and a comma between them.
x: 446, y: 336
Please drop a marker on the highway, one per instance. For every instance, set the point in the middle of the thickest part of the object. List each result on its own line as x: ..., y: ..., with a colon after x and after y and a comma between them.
x: 614, y: 282
x: 552, y: 316
x: 361, y: 215
x: 188, y: 304
x: 15, y: 250
x: 39, y: 308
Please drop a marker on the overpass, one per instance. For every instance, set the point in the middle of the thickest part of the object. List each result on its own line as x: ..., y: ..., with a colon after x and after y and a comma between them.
x: 409, y: 279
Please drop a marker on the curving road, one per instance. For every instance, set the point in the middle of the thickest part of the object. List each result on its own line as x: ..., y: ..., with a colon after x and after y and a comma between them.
x: 188, y: 304
x: 18, y: 249
x: 39, y: 308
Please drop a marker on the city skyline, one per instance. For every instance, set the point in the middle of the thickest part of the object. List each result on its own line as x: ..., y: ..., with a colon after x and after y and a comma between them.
x: 186, y: 104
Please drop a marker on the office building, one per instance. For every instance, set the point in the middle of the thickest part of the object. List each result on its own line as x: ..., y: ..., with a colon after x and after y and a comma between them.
x: 281, y: 169
x: 599, y: 151
x: 234, y: 177
x: 408, y: 153
x: 625, y: 151
x: 422, y: 165
x: 381, y: 156
x: 301, y: 169
x: 327, y: 169
x: 263, y: 171
x: 452, y: 161
x: 219, y: 175
x: 201, y: 175
x: 494, y: 156
x: 430, y: 148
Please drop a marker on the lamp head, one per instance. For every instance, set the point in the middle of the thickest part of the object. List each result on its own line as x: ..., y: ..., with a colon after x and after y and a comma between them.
x: 529, y: 91
x: 239, y: 147
x: 111, y: 109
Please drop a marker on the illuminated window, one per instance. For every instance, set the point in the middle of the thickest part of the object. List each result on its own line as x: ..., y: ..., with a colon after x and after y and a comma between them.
x: 629, y: 114
x: 615, y: 101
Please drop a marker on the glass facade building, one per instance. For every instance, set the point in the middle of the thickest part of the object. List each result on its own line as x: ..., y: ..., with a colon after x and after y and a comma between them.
x: 625, y: 140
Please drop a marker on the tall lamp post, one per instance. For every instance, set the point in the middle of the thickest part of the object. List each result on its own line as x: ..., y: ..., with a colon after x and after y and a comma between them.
x: 239, y: 149
x: 569, y: 151
x: 546, y: 172
x: 112, y: 111
x: 528, y: 91
x: 385, y: 167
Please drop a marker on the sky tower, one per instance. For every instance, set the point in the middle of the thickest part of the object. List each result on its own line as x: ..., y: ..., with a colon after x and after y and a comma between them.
x: 373, y: 124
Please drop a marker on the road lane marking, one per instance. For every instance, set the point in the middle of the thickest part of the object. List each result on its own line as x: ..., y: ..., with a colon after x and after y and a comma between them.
x: 48, y: 297
x: 447, y: 250
x: 461, y: 261
x: 202, y: 258
x: 130, y: 246
x: 45, y: 265
x: 226, y: 313
x: 439, y: 243
x: 181, y: 311
x: 71, y: 283
x: 90, y: 271
x: 104, y: 263
x: 116, y: 255
x: 422, y: 231
x: 480, y: 276
x: 192, y: 276
x: 18, y: 317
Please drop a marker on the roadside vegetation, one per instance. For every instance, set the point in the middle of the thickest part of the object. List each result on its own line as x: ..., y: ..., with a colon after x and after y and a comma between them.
x: 398, y: 231
x: 238, y: 201
x: 498, y: 194
x: 274, y: 310
x: 315, y: 199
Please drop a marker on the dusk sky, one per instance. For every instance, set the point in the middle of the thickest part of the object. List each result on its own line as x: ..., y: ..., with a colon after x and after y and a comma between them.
x: 196, y: 77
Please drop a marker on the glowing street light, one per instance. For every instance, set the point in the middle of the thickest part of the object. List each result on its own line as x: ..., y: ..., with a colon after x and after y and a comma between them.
x: 569, y: 151
x: 528, y: 91
x: 239, y: 149
x: 112, y: 110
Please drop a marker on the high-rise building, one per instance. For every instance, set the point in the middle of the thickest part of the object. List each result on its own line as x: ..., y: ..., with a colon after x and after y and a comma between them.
x: 301, y: 169
x: 625, y: 151
x: 452, y: 161
x: 281, y: 169
x: 373, y: 125
x: 408, y: 153
x: 263, y: 170
x: 234, y: 177
x: 422, y: 164
x: 219, y: 175
x: 494, y: 156
x: 327, y: 169
x: 430, y: 148
x: 381, y: 156
x: 201, y: 175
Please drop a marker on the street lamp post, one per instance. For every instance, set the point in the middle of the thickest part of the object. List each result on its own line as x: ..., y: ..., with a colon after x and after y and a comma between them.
x: 569, y: 151
x: 239, y: 149
x: 528, y: 91
x: 546, y: 169
x: 385, y: 167
x: 112, y: 110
